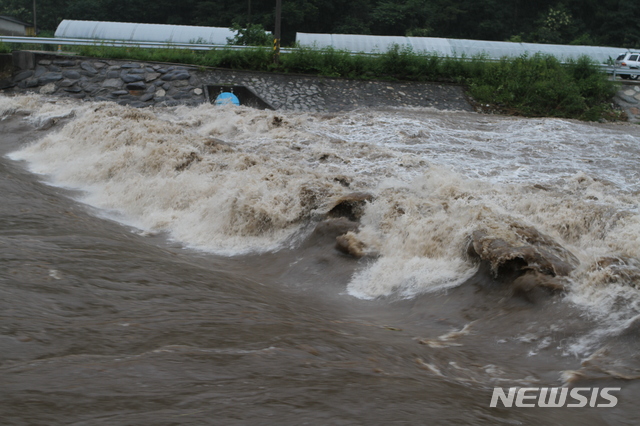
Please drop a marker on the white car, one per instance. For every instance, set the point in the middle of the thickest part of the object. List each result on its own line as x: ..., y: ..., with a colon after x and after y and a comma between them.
x: 628, y: 60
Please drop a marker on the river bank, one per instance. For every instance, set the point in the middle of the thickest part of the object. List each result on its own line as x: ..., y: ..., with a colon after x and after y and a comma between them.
x: 142, y: 84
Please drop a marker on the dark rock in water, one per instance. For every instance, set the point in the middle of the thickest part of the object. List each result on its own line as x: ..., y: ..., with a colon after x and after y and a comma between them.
x: 533, y: 286
x: 325, y: 232
x: 350, y: 206
x: 537, y: 253
x: 534, y: 279
x: 350, y: 244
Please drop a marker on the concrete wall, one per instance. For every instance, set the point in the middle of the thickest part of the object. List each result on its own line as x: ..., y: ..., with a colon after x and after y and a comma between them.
x: 8, y: 28
x: 6, y: 70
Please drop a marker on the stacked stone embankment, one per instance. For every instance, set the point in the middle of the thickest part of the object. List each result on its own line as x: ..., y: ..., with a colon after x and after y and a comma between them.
x: 131, y: 83
x: 628, y: 98
x: 144, y: 84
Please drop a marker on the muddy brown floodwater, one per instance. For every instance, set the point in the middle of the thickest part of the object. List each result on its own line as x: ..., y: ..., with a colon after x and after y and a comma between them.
x: 116, y: 311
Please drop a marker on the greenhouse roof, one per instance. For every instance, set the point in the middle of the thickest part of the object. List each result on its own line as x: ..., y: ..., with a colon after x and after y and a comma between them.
x: 143, y: 32
x: 454, y: 47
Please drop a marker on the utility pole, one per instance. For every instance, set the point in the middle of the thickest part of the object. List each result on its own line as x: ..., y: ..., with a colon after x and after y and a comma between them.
x: 35, y: 25
x: 276, y: 40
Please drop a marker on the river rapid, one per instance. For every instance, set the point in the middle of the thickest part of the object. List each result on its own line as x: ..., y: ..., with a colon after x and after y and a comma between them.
x: 225, y: 265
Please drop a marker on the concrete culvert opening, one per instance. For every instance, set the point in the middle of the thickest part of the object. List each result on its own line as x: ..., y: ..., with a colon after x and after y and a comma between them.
x: 245, y: 95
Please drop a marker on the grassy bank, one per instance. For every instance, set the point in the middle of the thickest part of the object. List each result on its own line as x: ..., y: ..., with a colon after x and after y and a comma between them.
x: 527, y: 85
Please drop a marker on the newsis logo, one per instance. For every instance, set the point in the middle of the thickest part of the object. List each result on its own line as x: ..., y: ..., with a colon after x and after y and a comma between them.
x: 554, y: 397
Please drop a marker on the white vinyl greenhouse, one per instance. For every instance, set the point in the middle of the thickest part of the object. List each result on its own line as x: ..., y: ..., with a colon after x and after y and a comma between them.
x: 142, y: 32
x: 453, y: 47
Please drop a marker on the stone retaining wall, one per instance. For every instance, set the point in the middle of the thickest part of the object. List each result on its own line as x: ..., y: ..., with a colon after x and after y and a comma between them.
x: 125, y: 82
x: 145, y: 84
x: 628, y: 98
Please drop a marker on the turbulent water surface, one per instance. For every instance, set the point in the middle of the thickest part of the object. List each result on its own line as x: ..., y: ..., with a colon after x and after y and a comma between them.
x: 224, y: 265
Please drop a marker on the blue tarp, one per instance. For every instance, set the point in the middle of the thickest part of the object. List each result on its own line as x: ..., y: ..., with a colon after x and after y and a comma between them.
x: 225, y: 98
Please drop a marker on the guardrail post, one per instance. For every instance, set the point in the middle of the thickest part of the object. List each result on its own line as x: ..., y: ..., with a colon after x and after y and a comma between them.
x: 276, y: 40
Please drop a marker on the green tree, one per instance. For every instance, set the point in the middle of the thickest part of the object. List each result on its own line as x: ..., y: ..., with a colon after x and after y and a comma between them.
x: 251, y: 35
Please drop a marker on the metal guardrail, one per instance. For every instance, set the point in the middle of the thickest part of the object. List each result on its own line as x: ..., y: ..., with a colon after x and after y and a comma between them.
x: 609, y: 69
x: 124, y: 43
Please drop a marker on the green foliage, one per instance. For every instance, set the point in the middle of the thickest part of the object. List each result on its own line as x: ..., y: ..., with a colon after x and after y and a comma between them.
x: 257, y: 59
x: 327, y: 62
x: 252, y: 35
x: 542, y: 86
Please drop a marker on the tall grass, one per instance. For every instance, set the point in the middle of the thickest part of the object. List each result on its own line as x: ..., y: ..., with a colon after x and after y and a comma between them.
x: 542, y: 86
x: 534, y: 85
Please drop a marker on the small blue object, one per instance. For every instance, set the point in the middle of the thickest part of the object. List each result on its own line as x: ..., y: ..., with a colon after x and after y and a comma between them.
x: 225, y: 98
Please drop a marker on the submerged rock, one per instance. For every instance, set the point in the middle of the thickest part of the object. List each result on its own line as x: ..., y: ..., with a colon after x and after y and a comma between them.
x: 350, y: 206
x: 534, y: 265
x: 537, y: 252
x: 350, y: 244
x: 326, y: 232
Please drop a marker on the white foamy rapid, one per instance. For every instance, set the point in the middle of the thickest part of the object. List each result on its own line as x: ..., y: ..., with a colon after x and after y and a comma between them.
x: 232, y: 180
